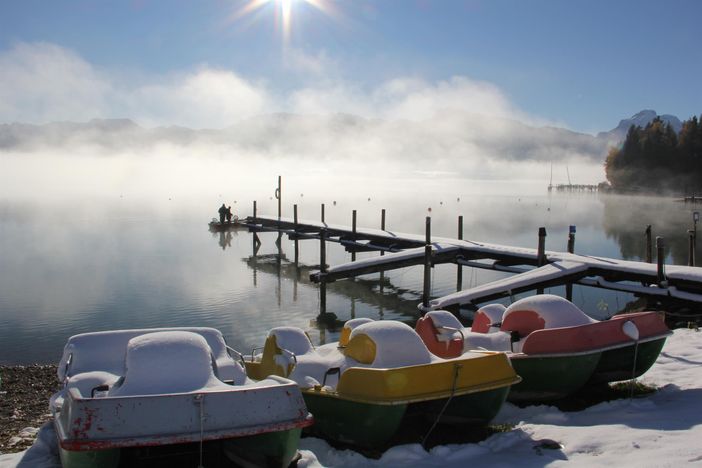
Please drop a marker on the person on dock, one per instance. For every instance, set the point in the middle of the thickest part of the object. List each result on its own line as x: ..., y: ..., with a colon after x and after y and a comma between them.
x: 229, y: 214
x: 222, y: 213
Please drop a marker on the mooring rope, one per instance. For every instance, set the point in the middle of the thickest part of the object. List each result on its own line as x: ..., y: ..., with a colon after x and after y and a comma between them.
x: 633, y: 370
x: 456, y: 368
x: 200, y: 398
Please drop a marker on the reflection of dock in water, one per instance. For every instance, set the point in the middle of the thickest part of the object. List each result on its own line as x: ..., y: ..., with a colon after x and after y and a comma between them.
x: 377, y: 293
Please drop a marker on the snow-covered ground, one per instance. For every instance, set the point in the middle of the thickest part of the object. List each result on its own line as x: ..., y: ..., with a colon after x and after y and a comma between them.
x: 663, y: 429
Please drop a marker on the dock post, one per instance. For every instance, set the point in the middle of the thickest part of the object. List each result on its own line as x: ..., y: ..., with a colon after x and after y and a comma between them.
x: 382, y: 252
x: 322, y: 212
x: 382, y: 219
x: 661, y: 258
x: 427, y: 264
x: 297, y: 246
x: 571, y: 249
x: 649, y: 245
x: 691, y: 248
x: 353, y: 229
x: 279, y: 196
x: 541, y: 253
x: 322, y: 270
x: 254, y: 237
x: 459, y: 267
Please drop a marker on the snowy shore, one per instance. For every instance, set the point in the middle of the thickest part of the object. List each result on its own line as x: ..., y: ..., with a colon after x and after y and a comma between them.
x: 662, y: 429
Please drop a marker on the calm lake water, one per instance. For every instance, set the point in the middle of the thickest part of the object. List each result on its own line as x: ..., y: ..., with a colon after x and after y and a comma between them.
x: 76, y: 265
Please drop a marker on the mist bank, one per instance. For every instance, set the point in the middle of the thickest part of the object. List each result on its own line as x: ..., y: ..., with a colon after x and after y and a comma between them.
x: 446, y: 139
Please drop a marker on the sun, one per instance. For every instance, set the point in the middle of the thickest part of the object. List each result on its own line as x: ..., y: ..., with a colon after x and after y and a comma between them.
x: 284, y: 10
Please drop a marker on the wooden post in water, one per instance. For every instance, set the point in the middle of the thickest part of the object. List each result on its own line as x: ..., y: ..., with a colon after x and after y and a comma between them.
x: 256, y: 241
x: 459, y: 267
x: 571, y: 249
x: 660, y: 252
x: 427, y: 264
x: 691, y: 248
x: 279, y: 196
x: 353, y: 229
x: 382, y: 253
x: 649, y: 245
x: 322, y: 269
x: 297, y: 246
x: 541, y: 253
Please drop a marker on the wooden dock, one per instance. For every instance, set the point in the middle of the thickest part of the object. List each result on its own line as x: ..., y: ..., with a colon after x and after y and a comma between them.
x: 533, y: 269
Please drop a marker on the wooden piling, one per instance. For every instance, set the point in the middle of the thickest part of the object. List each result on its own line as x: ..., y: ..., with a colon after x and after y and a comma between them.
x: 256, y: 241
x: 660, y: 256
x: 279, y: 196
x: 691, y: 248
x: 459, y: 267
x: 353, y: 230
x: 541, y: 253
x: 427, y: 264
x: 382, y: 219
x: 322, y: 269
x: 296, y: 242
x: 649, y: 245
x: 571, y: 249
x: 322, y: 212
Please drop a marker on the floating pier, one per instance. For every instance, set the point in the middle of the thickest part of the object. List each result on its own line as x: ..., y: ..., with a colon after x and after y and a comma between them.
x: 533, y: 269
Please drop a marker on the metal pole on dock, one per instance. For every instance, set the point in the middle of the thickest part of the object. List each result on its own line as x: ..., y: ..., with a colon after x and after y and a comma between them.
x: 571, y: 249
x: 541, y: 253
x: 691, y: 248
x: 382, y: 219
x: 382, y: 253
x: 661, y: 258
x: 649, y: 245
x: 459, y: 267
x: 322, y: 269
x: 427, y: 264
x: 322, y: 212
x: 297, y: 252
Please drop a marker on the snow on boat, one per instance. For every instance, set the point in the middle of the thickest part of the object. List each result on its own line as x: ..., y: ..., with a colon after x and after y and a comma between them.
x: 361, y: 388
x: 134, y: 396
x: 553, y: 345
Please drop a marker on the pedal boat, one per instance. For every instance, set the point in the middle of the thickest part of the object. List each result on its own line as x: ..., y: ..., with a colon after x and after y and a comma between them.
x: 553, y: 345
x: 172, y: 396
x: 361, y: 388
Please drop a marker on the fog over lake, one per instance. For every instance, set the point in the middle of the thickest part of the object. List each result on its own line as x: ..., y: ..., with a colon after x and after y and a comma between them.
x: 106, y: 241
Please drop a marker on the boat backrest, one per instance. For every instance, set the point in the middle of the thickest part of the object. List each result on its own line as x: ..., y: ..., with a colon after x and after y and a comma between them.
x: 440, y: 341
x: 487, y: 317
x: 106, y: 351
x: 349, y: 327
x: 387, y: 344
x: 542, y: 311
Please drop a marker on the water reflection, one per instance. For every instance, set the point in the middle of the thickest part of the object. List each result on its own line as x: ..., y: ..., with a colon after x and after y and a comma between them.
x: 625, y: 220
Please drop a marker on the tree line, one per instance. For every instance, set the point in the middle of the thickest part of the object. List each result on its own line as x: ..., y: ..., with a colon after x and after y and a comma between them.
x: 657, y: 159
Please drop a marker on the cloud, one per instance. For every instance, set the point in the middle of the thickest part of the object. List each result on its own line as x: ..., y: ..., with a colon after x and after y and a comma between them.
x: 43, y: 82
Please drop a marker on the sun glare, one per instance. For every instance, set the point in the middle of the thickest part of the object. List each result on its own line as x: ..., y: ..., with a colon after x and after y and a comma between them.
x: 284, y: 11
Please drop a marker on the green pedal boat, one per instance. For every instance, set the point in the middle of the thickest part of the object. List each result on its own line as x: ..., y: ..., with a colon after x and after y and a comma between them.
x: 553, y: 345
x: 170, y: 397
x: 361, y: 389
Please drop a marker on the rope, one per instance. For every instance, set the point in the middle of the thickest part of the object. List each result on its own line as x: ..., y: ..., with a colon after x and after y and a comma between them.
x: 200, y: 398
x: 456, y: 368
x: 633, y: 370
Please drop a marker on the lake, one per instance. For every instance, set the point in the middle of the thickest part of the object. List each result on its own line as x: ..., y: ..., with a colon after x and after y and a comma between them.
x: 79, y: 263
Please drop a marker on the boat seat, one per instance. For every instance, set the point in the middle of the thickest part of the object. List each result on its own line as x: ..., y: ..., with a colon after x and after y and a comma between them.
x: 167, y: 362
x: 435, y: 329
x: 288, y: 352
x: 105, y: 351
x: 387, y: 344
x: 542, y: 311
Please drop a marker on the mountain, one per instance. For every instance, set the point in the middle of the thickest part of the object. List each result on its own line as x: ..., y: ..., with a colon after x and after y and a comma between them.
x: 448, y: 137
x: 640, y: 119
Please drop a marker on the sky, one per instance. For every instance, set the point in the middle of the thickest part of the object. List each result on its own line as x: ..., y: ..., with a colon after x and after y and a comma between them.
x: 583, y: 65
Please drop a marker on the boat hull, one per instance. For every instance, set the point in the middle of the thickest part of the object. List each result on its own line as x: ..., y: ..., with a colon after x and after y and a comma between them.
x: 473, y: 409
x: 547, y: 378
x: 272, y: 449
x: 618, y: 364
